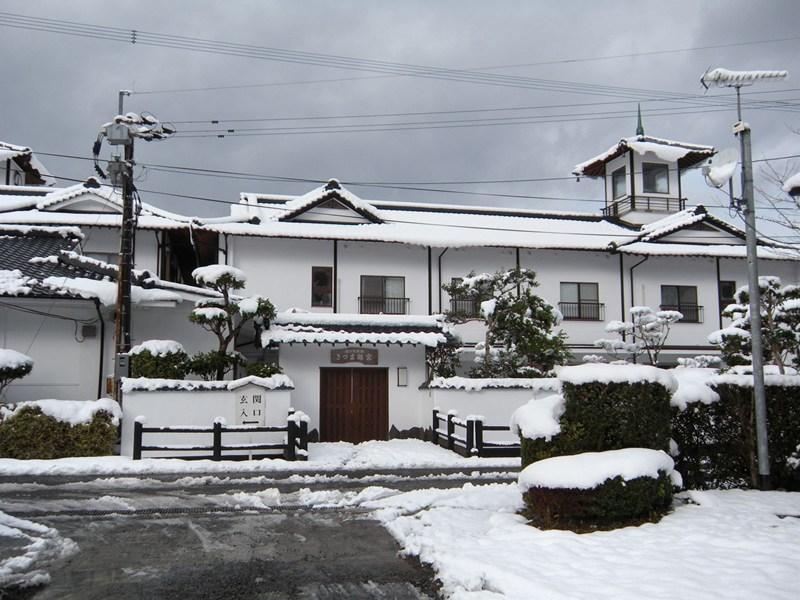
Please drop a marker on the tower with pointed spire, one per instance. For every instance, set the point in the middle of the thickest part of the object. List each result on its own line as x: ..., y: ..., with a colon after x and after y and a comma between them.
x: 642, y: 174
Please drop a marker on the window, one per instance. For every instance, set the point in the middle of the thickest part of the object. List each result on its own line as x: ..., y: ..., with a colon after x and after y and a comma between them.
x: 682, y: 298
x: 727, y: 289
x: 580, y: 301
x: 321, y: 286
x: 618, y: 184
x: 181, y: 252
x: 655, y: 178
x: 466, y: 307
x: 381, y: 294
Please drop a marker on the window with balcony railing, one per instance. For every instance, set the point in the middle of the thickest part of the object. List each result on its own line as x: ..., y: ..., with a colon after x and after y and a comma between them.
x: 682, y: 298
x: 383, y: 295
x: 580, y: 302
x: 469, y: 308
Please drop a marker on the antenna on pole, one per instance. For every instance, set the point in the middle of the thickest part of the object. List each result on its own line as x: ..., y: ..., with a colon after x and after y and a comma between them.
x: 738, y: 79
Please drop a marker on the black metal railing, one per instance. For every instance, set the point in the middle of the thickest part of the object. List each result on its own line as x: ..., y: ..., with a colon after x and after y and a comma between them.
x: 582, y: 311
x: 465, y: 307
x: 295, y: 447
x: 645, y: 203
x: 692, y: 313
x: 469, y: 440
x: 374, y: 305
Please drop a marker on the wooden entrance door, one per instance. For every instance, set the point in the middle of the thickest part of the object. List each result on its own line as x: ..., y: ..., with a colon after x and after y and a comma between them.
x: 353, y: 405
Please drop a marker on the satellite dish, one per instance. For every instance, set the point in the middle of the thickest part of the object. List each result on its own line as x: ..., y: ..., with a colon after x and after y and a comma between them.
x: 719, y: 169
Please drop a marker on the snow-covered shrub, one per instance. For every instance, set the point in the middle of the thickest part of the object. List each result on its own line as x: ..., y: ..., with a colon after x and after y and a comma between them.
x: 519, y: 324
x: 225, y: 317
x: 717, y: 440
x: 159, y: 359
x: 701, y: 361
x: 608, y: 407
x: 47, y: 429
x: 598, y: 490
x: 13, y: 365
x: 263, y: 369
x: 780, y: 325
x: 644, y: 335
x: 442, y: 361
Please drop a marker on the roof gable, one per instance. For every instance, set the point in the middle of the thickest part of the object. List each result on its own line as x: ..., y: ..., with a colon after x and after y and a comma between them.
x: 330, y: 204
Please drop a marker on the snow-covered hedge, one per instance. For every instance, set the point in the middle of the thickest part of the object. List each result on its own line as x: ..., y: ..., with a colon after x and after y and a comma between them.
x: 163, y: 359
x: 715, y: 437
x: 470, y: 384
x: 605, y: 407
x: 46, y: 429
x: 598, y: 490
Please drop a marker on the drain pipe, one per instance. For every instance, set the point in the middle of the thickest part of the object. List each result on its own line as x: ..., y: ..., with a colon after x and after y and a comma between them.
x: 102, y: 348
x: 631, y: 272
x: 440, y: 278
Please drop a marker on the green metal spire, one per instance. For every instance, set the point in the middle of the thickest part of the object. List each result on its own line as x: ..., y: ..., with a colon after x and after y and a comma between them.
x: 639, y: 126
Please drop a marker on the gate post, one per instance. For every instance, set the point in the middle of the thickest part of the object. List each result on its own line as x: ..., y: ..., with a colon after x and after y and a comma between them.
x: 289, y: 452
x: 435, y: 430
x: 137, y: 440
x: 451, y: 429
x: 479, y: 436
x: 217, y: 450
x: 303, y: 440
x: 471, y: 449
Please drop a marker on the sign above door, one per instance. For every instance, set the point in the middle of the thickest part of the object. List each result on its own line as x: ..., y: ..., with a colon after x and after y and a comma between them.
x: 365, y: 356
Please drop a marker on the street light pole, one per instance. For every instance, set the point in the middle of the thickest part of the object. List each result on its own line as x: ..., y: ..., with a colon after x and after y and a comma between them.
x: 737, y: 79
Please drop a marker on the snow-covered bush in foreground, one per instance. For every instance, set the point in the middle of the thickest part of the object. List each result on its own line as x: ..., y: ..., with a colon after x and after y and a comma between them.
x: 13, y: 365
x: 644, y: 335
x: 225, y: 317
x: 162, y: 359
x: 47, y: 429
x: 598, y: 490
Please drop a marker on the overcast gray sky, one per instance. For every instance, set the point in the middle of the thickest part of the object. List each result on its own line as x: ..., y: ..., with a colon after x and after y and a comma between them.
x: 58, y: 89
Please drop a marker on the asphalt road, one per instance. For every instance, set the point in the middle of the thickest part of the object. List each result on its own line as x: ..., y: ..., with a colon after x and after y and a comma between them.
x: 208, y: 538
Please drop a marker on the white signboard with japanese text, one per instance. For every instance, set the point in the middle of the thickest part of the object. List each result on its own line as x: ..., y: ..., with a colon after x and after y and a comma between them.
x: 251, y: 405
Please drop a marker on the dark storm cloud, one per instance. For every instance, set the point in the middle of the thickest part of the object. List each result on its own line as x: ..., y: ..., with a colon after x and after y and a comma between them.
x: 59, y: 89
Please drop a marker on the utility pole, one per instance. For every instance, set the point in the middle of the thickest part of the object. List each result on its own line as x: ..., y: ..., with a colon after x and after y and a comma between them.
x: 738, y: 79
x: 121, y: 132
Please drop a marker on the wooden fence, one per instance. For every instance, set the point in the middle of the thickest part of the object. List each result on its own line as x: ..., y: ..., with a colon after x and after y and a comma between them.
x: 295, y: 447
x: 465, y: 436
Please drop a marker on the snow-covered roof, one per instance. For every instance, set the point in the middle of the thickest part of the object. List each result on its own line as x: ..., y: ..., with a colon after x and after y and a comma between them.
x: 685, y: 219
x: 330, y: 191
x: 341, y: 328
x: 708, y: 250
x: 686, y: 155
x: 27, y: 161
x: 149, y: 384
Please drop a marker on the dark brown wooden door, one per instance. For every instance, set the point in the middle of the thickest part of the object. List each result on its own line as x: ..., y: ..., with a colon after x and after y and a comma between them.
x: 353, y: 405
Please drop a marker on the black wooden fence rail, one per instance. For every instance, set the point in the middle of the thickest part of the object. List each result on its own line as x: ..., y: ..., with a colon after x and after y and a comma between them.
x: 471, y: 443
x: 295, y: 448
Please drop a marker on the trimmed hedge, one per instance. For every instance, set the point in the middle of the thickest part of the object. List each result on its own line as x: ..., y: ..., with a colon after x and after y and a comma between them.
x: 606, y: 416
x: 717, y: 442
x: 262, y: 369
x: 173, y: 365
x: 615, y: 503
x: 31, y: 434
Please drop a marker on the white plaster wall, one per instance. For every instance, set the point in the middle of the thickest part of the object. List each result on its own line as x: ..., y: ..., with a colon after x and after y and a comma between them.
x: 64, y: 367
x: 495, y: 405
x: 174, y: 408
x: 374, y: 258
x: 280, y: 269
x: 408, y: 406
x: 170, y: 323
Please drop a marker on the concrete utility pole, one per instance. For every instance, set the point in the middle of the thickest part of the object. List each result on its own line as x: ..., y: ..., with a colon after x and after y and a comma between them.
x: 121, y: 132
x: 738, y: 79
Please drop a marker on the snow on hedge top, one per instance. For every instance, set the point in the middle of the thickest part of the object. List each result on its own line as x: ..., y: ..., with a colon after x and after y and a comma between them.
x: 157, y: 347
x: 11, y: 359
x: 74, y: 412
x: 474, y: 385
x: 210, y: 274
x: 746, y: 380
x: 147, y: 384
x: 539, y: 418
x: 607, y: 373
x: 14, y: 283
x: 693, y: 386
x: 591, y: 469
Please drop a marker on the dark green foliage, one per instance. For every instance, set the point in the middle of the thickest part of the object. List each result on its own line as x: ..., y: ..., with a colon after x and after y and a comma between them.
x: 31, y: 434
x: 717, y: 442
x: 615, y: 503
x: 161, y: 366
x: 261, y: 369
x: 442, y: 361
x: 213, y: 364
x: 601, y: 416
x: 9, y: 374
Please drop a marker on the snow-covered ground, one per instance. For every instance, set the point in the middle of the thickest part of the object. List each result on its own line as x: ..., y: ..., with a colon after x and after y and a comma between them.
x: 715, y: 544
x: 392, y: 454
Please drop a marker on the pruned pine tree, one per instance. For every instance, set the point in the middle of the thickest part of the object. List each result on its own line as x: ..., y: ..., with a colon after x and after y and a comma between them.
x: 644, y: 335
x: 519, y: 341
x: 13, y: 365
x: 780, y: 326
x: 225, y: 317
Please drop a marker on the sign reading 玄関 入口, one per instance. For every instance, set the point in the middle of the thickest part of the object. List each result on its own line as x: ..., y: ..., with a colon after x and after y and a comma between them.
x: 365, y: 356
x: 250, y: 405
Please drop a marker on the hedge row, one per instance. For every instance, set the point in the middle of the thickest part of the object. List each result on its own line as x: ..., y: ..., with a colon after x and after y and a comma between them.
x: 717, y: 442
x: 31, y: 434
x: 615, y: 503
x: 606, y: 416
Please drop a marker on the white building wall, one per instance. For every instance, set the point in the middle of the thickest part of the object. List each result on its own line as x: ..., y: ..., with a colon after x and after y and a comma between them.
x: 408, y: 406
